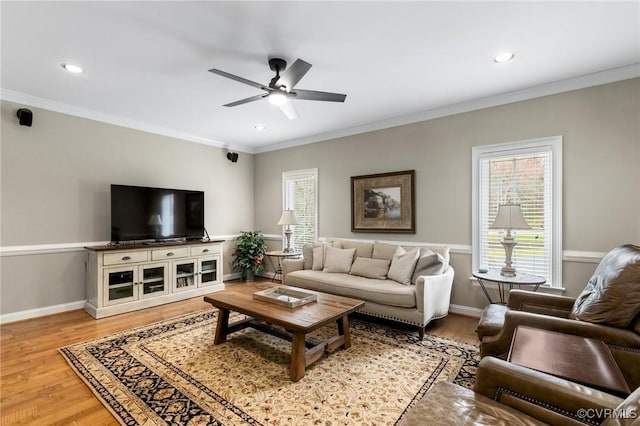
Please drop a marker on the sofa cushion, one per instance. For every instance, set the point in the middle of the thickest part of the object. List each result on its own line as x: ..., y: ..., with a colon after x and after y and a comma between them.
x: 363, y: 249
x: 429, y: 263
x: 449, y: 404
x: 338, y: 260
x: 402, y: 265
x: 383, y: 250
x: 370, y: 268
x: 384, y: 292
x: 612, y: 295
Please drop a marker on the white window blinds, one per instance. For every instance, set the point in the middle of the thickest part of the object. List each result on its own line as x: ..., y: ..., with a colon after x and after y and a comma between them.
x: 522, y: 173
x: 300, y: 194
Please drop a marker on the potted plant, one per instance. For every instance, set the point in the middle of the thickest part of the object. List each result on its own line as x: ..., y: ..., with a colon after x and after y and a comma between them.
x: 250, y: 250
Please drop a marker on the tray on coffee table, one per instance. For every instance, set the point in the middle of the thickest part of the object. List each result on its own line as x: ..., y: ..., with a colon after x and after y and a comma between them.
x: 290, y: 297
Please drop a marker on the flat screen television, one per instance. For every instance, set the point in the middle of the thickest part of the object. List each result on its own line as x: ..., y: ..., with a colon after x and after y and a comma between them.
x: 159, y: 214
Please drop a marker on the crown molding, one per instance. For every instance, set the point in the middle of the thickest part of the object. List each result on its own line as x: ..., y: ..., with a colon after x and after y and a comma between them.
x: 561, y: 86
x: 581, y: 82
x: 64, y: 108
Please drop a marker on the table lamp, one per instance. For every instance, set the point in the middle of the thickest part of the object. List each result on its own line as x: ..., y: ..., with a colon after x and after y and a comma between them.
x: 287, y: 219
x: 156, y: 222
x: 509, y: 217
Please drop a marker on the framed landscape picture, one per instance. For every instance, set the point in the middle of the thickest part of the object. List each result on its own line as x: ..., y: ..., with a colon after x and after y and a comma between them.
x: 383, y: 203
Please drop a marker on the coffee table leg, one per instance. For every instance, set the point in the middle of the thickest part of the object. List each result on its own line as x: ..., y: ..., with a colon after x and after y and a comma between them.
x: 298, y: 358
x: 343, y: 330
x: 222, y: 327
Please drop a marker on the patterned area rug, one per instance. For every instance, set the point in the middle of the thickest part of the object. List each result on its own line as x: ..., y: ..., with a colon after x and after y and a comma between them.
x: 171, y: 373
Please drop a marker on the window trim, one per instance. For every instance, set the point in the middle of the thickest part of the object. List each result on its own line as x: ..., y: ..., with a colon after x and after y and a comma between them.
x: 553, y: 144
x: 302, y: 173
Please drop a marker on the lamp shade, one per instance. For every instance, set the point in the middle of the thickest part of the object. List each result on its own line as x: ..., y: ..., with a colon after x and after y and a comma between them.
x: 509, y: 217
x: 288, y: 218
x: 155, y: 219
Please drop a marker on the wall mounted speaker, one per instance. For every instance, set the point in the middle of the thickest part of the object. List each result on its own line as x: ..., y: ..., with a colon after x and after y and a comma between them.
x: 25, y: 117
x: 232, y: 156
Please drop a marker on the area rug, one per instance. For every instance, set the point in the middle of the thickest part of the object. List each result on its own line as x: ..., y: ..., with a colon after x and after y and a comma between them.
x: 170, y: 372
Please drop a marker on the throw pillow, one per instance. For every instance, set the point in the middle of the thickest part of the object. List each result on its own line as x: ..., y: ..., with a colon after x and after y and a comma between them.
x: 307, y: 255
x: 612, y: 295
x: 403, y: 264
x: 370, y: 268
x: 429, y: 263
x: 318, y: 258
x: 383, y: 251
x: 320, y: 261
x: 339, y: 260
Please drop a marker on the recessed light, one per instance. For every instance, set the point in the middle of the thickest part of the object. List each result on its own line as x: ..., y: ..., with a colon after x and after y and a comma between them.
x: 503, y: 57
x: 259, y: 127
x: 72, y: 68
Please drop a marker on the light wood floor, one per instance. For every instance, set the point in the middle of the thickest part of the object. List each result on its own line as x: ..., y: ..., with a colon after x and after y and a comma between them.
x: 37, y: 387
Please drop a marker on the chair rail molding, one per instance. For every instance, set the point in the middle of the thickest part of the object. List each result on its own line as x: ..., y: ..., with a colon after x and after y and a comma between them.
x: 580, y: 256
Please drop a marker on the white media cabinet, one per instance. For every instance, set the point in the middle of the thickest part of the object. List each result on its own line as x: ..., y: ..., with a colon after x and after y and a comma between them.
x: 128, y: 277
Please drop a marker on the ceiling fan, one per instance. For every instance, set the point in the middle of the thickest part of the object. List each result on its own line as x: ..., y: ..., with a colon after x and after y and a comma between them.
x: 281, y: 88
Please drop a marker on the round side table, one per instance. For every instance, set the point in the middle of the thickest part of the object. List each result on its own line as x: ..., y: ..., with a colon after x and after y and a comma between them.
x: 503, y: 282
x: 277, y: 264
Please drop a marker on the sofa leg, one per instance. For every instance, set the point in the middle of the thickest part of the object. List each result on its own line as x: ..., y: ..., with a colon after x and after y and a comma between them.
x: 421, y: 332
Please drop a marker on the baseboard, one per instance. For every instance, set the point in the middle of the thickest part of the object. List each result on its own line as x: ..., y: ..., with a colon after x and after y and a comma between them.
x: 40, y: 312
x: 465, y: 310
x: 72, y: 306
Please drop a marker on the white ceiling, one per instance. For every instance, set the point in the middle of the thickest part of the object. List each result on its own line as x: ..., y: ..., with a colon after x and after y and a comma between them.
x: 146, y: 62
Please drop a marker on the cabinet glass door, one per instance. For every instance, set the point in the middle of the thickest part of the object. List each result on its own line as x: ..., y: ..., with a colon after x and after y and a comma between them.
x: 154, y: 280
x: 208, y: 271
x: 185, y: 275
x: 120, y: 286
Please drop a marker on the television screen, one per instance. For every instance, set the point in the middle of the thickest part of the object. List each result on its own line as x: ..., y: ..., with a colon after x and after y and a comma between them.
x: 143, y: 213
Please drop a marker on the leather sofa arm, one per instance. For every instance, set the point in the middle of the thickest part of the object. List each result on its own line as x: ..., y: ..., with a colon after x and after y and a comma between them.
x: 499, y: 344
x: 540, y: 303
x: 290, y: 265
x: 545, y: 397
x: 433, y: 294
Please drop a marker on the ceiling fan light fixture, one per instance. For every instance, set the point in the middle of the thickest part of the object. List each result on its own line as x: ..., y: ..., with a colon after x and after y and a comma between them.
x: 503, y: 57
x: 75, y: 69
x: 277, y: 97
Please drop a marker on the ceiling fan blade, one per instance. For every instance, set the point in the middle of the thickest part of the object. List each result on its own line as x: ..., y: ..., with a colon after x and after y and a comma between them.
x: 239, y: 79
x: 312, y: 95
x: 289, y: 110
x: 247, y: 100
x: 293, y: 74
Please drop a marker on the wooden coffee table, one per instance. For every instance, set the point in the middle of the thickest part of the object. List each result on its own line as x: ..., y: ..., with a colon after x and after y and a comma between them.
x: 292, y: 324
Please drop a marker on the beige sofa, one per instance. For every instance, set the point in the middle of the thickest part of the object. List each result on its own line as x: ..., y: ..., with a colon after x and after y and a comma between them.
x: 417, y: 301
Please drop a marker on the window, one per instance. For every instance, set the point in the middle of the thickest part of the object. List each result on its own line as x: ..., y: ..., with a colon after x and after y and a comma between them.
x: 300, y: 193
x: 528, y: 173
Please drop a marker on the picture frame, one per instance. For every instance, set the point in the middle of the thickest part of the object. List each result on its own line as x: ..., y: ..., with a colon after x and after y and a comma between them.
x: 383, y: 202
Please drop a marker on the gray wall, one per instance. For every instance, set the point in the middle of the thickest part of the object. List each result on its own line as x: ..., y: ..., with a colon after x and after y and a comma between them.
x: 55, y: 180
x: 55, y: 190
x: 601, y: 168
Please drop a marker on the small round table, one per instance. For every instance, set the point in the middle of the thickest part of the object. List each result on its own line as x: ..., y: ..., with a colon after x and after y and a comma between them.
x: 279, y: 255
x: 494, y: 275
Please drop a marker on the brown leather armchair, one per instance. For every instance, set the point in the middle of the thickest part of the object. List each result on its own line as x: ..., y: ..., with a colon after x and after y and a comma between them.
x: 551, y: 312
x: 507, y: 394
